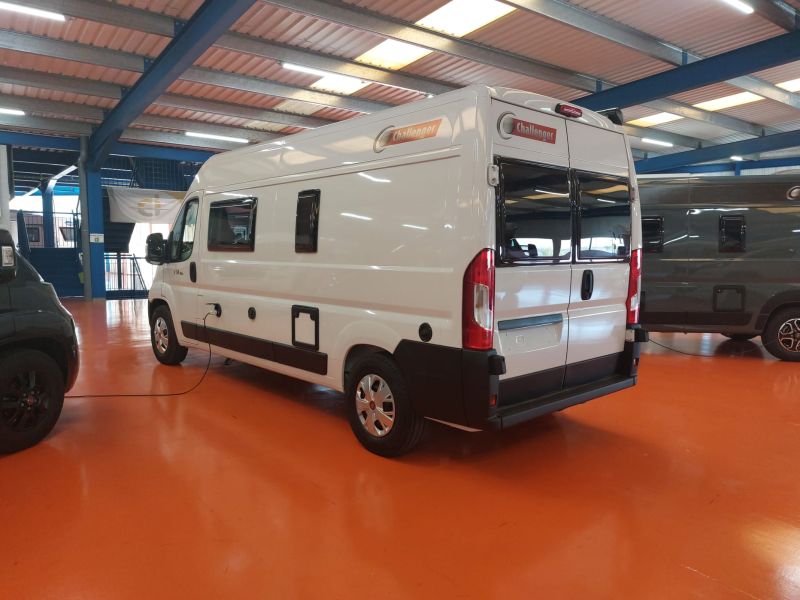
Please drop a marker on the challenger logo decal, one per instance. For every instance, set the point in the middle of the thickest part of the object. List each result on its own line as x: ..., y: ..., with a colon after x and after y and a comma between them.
x: 392, y: 136
x: 508, y: 125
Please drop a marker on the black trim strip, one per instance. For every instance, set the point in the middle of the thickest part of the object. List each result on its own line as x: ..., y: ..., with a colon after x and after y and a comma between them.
x: 530, y: 322
x: 308, y: 360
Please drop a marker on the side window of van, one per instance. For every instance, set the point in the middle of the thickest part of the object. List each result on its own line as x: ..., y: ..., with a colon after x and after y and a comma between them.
x: 306, y: 225
x: 183, y: 232
x: 232, y: 225
x: 604, y: 218
x: 534, y: 214
x: 653, y: 234
x: 732, y: 230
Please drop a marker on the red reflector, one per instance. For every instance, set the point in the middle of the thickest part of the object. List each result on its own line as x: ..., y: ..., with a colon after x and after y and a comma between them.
x: 573, y: 112
x: 634, y: 287
x: 493, y: 400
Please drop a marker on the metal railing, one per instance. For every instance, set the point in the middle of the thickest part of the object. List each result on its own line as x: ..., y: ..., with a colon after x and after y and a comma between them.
x: 124, y: 276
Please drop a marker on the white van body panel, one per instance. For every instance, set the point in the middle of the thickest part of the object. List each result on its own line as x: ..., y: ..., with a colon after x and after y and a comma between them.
x: 400, y: 219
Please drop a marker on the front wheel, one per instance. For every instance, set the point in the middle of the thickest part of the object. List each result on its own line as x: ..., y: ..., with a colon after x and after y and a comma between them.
x: 164, y: 338
x: 380, y: 411
x: 781, y: 336
x: 31, y: 398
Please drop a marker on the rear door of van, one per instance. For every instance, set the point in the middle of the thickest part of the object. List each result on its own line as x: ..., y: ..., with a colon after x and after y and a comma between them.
x: 534, y: 251
x: 602, y: 253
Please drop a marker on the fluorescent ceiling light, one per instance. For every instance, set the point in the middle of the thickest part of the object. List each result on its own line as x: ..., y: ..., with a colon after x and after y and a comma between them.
x: 12, y: 111
x: 222, y: 138
x: 64, y: 173
x: 456, y: 18
x: 737, y: 158
x: 729, y: 101
x: 391, y: 54
x: 302, y: 69
x: 460, y: 17
x: 790, y: 86
x: 740, y: 6
x: 657, y: 119
x: 657, y: 142
x: 34, y: 12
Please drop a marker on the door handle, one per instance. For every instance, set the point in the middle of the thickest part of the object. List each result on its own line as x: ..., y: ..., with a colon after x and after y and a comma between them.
x: 587, y: 285
x: 193, y: 272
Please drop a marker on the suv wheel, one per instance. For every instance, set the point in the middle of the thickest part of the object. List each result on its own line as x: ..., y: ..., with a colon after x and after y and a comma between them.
x: 380, y: 411
x: 781, y: 336
x: 164, y: 339
x: 31, y: 398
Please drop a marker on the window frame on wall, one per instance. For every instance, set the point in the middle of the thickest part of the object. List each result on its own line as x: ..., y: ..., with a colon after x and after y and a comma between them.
x: 740, y: 245
x: 658, y: 246
x: 501, y: 244
x: 307, y: 217
x: 578, y: 220
x: 213, y: 241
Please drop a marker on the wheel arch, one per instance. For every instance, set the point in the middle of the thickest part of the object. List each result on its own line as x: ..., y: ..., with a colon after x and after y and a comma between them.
x: 356, y: 353
x: 776, y: 303
x: 45, y: 346
x: 152, y: 306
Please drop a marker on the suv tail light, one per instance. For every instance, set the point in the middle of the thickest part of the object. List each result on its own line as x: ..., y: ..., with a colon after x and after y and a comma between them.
x: 478, y: 302
x: 634, y: 287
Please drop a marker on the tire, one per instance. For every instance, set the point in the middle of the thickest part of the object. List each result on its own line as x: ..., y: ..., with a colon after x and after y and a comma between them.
x: 781, y: 336
x: 164, y: 339
x: 739, y: 337
x: 381, y: 430
x: 31, y: 398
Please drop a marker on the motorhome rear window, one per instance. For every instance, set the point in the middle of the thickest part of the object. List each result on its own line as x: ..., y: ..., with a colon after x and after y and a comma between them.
x: 307, y: 221
x: 732, y: 230
x: 534, y: 214
x: 232, y: 225
x: 653, y: 234
x: 604, y: 218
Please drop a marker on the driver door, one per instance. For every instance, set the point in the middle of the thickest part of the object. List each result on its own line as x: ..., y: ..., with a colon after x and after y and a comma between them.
x: 180, y: 273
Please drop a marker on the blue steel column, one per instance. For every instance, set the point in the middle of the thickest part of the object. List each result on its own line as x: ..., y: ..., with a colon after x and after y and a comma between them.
x: 96, y: 248
x: 47, y: 189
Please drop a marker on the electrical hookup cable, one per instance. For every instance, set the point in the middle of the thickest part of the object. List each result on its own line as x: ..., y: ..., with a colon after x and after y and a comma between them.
x: 758, y: 348
x: 213, y: 311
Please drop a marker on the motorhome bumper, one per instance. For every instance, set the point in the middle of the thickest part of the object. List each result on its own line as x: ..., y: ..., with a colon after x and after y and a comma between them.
x: 463, y: 387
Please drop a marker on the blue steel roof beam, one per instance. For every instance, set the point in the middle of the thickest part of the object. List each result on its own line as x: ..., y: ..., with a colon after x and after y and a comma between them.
x: 777, y: 141
x: 614, y: 31
x: 742, y: 61
x: 212, y: 19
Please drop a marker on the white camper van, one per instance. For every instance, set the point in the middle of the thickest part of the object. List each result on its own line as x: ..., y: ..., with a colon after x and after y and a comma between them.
x: 472, y: 259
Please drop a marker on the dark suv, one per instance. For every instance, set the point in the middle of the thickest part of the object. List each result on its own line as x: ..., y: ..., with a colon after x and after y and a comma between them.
x: 38, y: 352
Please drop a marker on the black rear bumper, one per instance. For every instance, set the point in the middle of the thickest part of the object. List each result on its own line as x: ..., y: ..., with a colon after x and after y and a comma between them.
x: 463, y: 387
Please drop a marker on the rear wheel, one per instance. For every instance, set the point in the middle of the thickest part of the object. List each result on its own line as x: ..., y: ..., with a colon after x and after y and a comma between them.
x: 164, y: 338
x: 31, y: 398
x: 739, y: 337
x: 781, y: 336
x: 380, y: 411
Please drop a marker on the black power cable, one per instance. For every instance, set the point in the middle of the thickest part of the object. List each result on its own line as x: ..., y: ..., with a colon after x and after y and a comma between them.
x: 758, y: 349
x: 170, y: 394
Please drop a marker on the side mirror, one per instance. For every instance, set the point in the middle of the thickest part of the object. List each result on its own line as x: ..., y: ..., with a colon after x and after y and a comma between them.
x: 156, y: 249
x: 8, y: 257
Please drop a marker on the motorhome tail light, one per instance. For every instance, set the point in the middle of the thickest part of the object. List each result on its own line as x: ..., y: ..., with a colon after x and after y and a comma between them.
x: 573, y: 112
x: 634, y: 287
x: 478, y: 302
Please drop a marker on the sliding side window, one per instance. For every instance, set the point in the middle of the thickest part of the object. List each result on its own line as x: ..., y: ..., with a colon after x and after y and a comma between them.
x: 604, y: 218
x: 732, y: 230
x: 306, y: 226
x: 232, y: 225
x: 653, y: 234
x: 534, y: 214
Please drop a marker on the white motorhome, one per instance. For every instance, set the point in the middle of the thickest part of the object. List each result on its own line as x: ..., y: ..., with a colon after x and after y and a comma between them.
x: 472, y: 259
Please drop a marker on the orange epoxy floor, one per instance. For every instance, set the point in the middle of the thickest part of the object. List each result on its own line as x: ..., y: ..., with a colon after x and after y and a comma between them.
x: 253, y: 486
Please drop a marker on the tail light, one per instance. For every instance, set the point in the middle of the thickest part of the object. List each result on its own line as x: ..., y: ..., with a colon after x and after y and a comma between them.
x: 634, y: 287
x: 478, y: 302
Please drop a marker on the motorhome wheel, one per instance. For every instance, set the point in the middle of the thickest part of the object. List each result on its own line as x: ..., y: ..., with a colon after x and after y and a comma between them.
x: 380, y: 413
x: 31, y: 398
x: 164, y: 339
x: 781, y: 337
